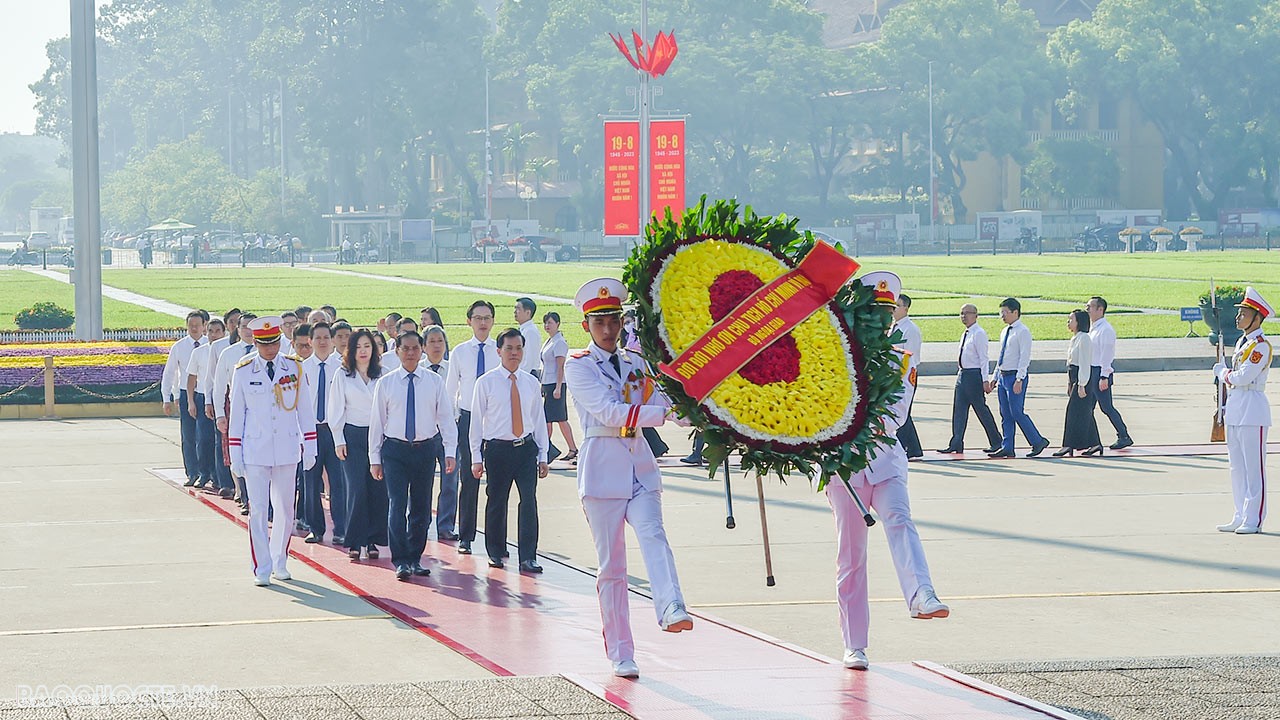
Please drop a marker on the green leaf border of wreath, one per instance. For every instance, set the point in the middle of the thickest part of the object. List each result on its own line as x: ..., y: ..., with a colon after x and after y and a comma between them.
x: 854, y: 302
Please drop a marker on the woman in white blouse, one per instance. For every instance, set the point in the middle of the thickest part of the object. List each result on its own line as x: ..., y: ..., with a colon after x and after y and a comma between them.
x: 350, y: 403
x: 555, y: 395
x: 1080, y: 431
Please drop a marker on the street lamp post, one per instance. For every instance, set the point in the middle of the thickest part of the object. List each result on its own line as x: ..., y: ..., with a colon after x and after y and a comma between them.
x: 528, y: 195
x: 932, y: 184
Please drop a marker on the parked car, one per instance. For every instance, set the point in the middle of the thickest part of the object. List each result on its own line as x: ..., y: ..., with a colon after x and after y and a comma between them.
x: 39, y: 239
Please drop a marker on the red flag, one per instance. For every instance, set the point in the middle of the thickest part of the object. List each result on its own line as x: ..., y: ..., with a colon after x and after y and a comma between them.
x: 626, y: 52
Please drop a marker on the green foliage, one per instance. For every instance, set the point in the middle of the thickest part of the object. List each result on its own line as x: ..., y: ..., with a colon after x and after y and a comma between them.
x: 1071, y: 168
x: 44, y: 316
x: 854, y: 303
x: 1227, y: 296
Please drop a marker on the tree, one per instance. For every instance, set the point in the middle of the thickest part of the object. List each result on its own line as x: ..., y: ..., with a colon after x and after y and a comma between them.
x: 185, y: 180
x: 1201, y: 72
x: 1071, y: 169
x: 988, y: 65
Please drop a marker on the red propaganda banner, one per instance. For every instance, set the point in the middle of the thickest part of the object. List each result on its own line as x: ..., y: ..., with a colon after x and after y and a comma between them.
x: 761, y: 320
x: 666, y: 168
x: 621, y: 178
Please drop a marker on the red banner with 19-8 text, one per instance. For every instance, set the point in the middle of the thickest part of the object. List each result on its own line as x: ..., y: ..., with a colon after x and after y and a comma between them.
x: 666, y: 168
x: 621, y: 178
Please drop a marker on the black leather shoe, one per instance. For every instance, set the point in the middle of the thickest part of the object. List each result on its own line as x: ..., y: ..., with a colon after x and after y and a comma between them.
x: 354, y: 553
x: 950, y: 451
x: 530, y: 566
x: 226, y: 493
x: 1001, y: 453
x: 1035, y: 451
x: 1095, y: 450
x: 339, y: 540
x: 1065, y: 452
x: 450, y: 536
x: 1122, y: 443
x: 245, y: 510
x: 495, y: 563
x: 313, y: 538
x: 373, y: 552
x: 417, y: 569
x: 691, y: 460
x: 403, y: 572
x: 464, y: 548
x: 190, y: 482
x: 993, y: 448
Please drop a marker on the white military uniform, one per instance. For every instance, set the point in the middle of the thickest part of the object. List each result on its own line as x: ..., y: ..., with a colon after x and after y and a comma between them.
x: 270, y: 429
x: 1247, y: 417
x: 882, y: 486
x: 619, y: 482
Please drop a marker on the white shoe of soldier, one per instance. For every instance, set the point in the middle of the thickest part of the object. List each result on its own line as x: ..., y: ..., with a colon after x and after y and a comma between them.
x: 1248, y: 530
x: 675, y: 618
x: 262, y: 580
x: 626, y: 669
x: 282, y: 574
x: 855, y: 659
x: 1231, y: 526
x: 926, y: 605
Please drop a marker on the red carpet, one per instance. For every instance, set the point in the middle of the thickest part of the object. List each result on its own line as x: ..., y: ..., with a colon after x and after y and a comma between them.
x: 1131, y: 451
x: 549, y: 624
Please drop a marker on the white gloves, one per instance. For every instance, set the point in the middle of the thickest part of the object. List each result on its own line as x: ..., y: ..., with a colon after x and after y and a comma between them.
x: 1219, y: 369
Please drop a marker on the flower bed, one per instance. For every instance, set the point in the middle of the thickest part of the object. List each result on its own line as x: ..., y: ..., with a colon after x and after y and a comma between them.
x: 84, y: 372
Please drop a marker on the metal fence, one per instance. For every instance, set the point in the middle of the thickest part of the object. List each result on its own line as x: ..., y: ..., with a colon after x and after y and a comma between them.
x: 49, y: 336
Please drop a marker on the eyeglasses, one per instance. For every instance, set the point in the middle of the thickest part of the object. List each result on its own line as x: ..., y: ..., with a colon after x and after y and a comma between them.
x: 481, y: 317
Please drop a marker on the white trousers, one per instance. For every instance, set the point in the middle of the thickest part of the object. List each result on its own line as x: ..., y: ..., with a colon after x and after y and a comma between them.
x: 273, y: 485
x: 890, y: 501
x: 608, y: 518
x: 1247, y: 450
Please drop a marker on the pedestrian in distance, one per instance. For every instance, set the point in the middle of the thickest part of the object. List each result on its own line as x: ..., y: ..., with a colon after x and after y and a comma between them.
x: 1247, y: 415
x: 1010, y: 381
x: 971, y: 386
x: 1102, y: 337
x: 1079, y: 429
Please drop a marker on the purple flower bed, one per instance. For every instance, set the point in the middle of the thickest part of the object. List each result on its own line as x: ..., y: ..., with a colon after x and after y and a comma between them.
x: 108, y: 375
x: 62, y: 352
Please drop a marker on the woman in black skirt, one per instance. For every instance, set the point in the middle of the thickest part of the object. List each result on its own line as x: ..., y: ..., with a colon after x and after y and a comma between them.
x: 1080, y: 431
x: 350, y: 405
x: 555, y: 395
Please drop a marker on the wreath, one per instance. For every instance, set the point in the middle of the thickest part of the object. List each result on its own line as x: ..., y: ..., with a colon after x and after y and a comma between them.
x: 814, y: 400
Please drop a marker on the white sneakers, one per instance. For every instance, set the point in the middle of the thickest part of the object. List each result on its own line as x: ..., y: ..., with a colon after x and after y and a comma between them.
x: 675, y: 619
x: 1231, y: 526
x: 282, y: 574
x: 262, y: 580
x: 1248, y: 530
x: 855, y: 659
x: 1239, y: 527
x: 926, y: 605
x: 626, y: 669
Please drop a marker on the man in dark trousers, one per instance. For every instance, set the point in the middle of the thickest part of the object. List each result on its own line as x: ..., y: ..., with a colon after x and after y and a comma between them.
x: 409, y: 421
x: 1102, y: 338
x: 971, y: 387
x: 468, y: 361
x: 508, y: 423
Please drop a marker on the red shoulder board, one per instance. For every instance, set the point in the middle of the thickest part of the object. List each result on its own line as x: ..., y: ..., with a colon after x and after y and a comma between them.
x: 579, y: 354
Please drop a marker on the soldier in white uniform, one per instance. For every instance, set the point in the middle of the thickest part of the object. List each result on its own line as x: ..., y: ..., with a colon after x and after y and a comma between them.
x: 882, y: 486
x: 912, y: 342
x: 1247, y: 416
x: 618, y: 478
x: 271, y: 427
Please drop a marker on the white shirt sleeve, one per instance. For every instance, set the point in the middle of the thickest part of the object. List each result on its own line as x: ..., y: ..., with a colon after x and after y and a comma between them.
x: 479, y: 407
x: 448, y: 426
x: 377, y: 417
x: 170, y: 376
x: 1023, y: 340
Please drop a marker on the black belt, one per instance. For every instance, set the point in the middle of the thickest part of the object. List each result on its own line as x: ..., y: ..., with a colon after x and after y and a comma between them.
x: 511, y: 443
x: 413, y: 443
x: 970, y: 370
x: 1008, y: 372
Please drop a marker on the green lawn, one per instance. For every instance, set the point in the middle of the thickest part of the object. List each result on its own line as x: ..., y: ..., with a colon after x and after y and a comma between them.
x: 20, y: 290
x: 1048, y: 286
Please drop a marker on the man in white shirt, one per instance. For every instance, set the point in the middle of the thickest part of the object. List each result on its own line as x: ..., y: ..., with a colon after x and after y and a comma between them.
x: 468, y: 361
x: 970, y: 392
x: 321, y: 368
x: 1102, y: 338
x: 524, y: 311
x: 197, y: 383
x: 173, y: 387
x: 508, y: 422
x: 433, y: 349
x: 221, y: 400
x: 222, y: 474
x: 389, y: 358
x: 912, y: 341
x: 1010, y: 380
x: 410, y: 420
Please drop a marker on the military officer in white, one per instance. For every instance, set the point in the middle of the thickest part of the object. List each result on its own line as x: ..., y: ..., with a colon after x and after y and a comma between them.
x: 1248, y: 415
x: 618, y: 478
x: 882, y: 486
x: 271, y: 428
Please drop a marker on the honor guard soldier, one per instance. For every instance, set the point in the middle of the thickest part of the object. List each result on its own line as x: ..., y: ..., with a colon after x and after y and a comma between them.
x: 618, y: 477
x: 1248, y: 415
x: 881, y: 485
x: 271, y: 428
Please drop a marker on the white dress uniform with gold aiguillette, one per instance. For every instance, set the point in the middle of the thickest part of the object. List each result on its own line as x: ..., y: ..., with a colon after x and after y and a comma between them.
x: 1247, y: 417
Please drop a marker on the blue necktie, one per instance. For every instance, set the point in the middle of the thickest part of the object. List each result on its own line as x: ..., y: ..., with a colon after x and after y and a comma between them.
x: 480, y: 360
x: 247, y: 348
x: 320, y: 396
x: 410, y: 412
x: 1004, y: 343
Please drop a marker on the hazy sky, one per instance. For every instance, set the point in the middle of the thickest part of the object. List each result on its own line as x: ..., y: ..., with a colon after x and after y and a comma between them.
x: 29, y: 24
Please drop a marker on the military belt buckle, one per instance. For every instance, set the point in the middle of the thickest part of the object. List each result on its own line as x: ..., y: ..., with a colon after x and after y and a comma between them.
x: 627, y: 432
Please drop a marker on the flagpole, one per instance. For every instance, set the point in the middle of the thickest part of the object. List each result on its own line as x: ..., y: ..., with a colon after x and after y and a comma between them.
x: 644, y: 127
